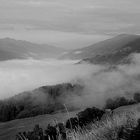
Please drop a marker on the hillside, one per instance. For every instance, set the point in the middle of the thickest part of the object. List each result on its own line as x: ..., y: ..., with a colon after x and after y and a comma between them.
x: 43, y: 100
x: 112, y: 51
x: 9, y: 130
x: 18, y: 49
x: 122, y: 124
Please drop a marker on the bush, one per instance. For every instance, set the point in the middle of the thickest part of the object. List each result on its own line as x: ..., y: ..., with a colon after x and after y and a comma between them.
x: 118, y: 102
x: 85, y: 117
x: 23, y: 114
x: 136, y: 97
x: 108, y: 129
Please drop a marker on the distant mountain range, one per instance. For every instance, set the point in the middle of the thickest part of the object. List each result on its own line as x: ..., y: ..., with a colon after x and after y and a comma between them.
x: 18, y: 49
x: 112, y: 51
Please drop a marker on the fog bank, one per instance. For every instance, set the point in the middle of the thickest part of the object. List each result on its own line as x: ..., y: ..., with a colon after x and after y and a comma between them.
x: 22, y: 75
x: 100, y: 82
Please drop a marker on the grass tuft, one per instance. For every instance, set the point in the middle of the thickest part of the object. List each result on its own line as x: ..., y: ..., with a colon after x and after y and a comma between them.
x: 108, y: 128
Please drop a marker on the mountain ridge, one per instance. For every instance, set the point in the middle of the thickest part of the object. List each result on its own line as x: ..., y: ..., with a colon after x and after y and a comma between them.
x: 114, y: 50
x: 20, y: 49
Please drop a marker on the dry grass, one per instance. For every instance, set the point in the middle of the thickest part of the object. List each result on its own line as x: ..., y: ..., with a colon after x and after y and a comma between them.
x: 108, y: 128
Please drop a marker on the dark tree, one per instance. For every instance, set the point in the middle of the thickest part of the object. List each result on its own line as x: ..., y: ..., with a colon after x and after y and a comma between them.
x: 118, y: 102
x: 85, y: 117
x: 136, y: 97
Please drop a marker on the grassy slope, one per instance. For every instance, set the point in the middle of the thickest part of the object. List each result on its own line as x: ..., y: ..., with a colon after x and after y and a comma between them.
x: 8, y: 130
x: 100, y: 130
x: 108, y: 128
x: 128, y: 108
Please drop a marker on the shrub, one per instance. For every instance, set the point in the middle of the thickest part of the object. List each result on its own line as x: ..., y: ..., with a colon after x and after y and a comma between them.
x: 85, y: 117
x: 108, y: 129
x: 136, y: 97
x: 118, y: 102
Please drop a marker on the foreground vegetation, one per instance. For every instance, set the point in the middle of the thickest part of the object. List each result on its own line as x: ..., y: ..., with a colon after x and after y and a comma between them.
x: 109, y: 128
x: 105, y: 129
x: 95, y: 124
x: 90, y: 124
x: 121, y: 124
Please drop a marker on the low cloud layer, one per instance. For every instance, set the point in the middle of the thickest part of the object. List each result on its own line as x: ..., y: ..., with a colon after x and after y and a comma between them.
x: 100, y: 82
x: 22, y: 75
x: 124, y: 80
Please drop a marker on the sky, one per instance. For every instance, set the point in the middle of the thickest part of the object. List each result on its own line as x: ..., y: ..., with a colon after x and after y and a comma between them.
x: 68, y: 23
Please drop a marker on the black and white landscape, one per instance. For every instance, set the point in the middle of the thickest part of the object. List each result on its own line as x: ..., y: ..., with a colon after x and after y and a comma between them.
x: 73, y: 65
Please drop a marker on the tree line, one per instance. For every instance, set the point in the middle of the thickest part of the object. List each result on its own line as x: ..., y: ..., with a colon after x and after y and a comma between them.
x: 16, y: 109
x: 29, y: 104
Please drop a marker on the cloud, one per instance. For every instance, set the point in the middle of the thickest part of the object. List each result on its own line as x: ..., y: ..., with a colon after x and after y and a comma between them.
x: 124, y: 80
x: 88, y: 16
x: 99, y: 82
x: 23, y: 75
x: 36, y: 3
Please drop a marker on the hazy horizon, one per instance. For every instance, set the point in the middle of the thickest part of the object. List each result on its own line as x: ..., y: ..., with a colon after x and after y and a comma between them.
x: 68, y: 23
